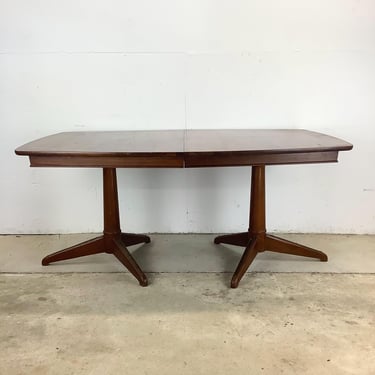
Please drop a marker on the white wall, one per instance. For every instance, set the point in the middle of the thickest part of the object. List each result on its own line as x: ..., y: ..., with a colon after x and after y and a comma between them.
x: 162, y: 64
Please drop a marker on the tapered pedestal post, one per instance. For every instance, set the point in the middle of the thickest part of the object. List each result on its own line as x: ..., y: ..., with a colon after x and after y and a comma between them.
x: 256, y: 239
x: 112, y: 241
x: 110, y: 203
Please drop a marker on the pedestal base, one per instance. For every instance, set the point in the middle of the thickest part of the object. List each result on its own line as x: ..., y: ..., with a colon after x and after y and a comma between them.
x: 115, y: 245
x: 256, y: 240
x: 112, y: 241
x: 271, y: 243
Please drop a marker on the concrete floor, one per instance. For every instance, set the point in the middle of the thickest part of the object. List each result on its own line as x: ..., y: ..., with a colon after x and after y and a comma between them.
x: 189, y: 253
x: 69, y: 319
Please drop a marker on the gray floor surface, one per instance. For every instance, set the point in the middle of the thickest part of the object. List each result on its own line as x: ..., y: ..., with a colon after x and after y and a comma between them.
x: 89, y: 316
x: 189, y: 253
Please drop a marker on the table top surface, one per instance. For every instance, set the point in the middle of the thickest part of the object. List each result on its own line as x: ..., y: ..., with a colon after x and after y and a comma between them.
x: 186, y: 142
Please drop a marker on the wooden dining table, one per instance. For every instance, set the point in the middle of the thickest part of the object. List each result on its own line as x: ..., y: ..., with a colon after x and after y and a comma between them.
x: 185, y: 148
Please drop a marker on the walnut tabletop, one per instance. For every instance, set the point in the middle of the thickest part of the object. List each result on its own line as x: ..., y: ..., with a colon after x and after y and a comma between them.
x: 183, y: 149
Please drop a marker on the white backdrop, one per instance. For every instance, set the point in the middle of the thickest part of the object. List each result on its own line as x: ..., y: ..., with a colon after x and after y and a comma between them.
x: 172, y: 64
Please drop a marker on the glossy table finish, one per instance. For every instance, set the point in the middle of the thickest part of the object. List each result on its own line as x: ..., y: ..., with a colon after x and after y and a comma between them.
x: 183, y: 149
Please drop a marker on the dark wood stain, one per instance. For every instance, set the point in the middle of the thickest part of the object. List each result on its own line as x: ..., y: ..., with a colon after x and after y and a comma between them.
x: 183, y: 149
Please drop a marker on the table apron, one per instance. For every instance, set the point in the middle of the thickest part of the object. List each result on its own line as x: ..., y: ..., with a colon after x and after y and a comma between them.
x: 201, y: 160
x: 168, y: 161
x: 182, y: 161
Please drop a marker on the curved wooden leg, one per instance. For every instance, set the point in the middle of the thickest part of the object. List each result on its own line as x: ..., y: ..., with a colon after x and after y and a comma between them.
x: 90, y: 247
x: 237, y: 239
x: 122, y: 254
x: 130, y: 239
x: 246, y: 259
x: 279, y: 245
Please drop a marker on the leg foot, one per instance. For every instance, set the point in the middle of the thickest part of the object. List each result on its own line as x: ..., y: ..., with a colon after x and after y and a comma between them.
x: 237, y: 239
x: 122, y: 254
x: 246, y: 259
x: 130, y: 239
x: 279, y: 245
x: 90, y: 247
